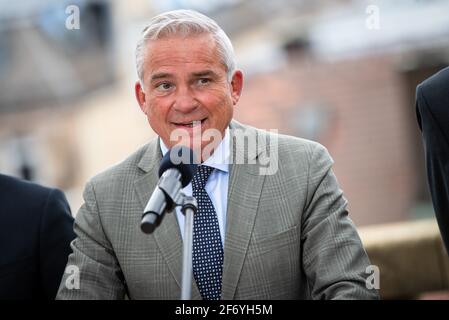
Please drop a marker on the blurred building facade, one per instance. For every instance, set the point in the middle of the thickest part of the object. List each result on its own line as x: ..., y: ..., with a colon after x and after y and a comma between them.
x: 67, y: 107
x: 350, y: 85
x: 314, y: 69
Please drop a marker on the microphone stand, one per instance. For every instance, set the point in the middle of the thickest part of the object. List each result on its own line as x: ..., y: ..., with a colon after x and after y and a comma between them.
x: 189, y: 208
x: 168, y: 195
x: 151, y: 220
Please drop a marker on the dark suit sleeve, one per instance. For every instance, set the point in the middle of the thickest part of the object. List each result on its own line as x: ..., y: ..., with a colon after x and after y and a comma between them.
x: 56, y: 233
x: 433, y: 119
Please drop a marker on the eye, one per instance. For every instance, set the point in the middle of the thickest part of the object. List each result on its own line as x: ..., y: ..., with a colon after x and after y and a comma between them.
x: 164, y: 86
x: 203, y: 81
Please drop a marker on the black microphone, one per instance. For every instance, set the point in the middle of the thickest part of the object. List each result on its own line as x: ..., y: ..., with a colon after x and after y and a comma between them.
x: 175, y: 172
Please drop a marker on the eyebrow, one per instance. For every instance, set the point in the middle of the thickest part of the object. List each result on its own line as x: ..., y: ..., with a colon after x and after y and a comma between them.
x: 205, y: 73
x: 160, y: 75
x: 164, y: 75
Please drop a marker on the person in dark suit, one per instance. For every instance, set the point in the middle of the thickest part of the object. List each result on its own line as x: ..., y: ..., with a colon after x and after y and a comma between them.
x: 432, y: 108
x: 36, y: 228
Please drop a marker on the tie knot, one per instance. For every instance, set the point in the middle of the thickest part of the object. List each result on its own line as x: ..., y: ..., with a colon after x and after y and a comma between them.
x: 200, y: 178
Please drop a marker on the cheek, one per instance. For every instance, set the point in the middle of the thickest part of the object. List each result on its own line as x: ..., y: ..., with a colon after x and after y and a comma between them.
x: 219, y: 102
x: 157, y: 116
x: 157, y: 108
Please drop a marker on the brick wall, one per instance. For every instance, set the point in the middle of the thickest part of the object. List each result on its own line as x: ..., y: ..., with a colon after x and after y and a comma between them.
x: 368, y: 133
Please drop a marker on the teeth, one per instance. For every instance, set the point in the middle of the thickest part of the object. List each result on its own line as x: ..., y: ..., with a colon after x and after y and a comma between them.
x: 190, y: 124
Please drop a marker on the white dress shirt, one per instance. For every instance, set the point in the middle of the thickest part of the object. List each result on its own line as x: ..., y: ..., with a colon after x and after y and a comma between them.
x: 216, y: 186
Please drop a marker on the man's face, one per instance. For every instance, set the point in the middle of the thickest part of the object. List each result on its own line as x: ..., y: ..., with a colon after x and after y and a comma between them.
x: 185, y: 82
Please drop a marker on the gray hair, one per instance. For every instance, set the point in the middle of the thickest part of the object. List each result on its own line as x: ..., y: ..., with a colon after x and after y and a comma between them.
x: 185, y: 23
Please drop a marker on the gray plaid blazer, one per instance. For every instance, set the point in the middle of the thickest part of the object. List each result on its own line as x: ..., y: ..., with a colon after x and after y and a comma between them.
x: 288, y: 234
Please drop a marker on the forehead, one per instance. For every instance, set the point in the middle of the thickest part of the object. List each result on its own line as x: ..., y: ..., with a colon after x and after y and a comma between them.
x: 182, y: 52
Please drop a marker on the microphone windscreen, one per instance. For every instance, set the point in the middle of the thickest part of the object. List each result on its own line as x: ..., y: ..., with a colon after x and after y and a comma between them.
x: 182, y: 159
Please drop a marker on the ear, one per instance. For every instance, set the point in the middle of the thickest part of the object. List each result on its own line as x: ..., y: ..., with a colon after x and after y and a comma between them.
x: 236, y: 86
x: 140, y: 96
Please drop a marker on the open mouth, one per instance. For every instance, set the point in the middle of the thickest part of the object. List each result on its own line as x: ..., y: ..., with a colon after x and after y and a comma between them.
x: 190, y: 124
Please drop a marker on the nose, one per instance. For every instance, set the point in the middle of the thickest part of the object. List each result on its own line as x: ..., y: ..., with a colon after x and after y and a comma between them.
x: 185, y: 101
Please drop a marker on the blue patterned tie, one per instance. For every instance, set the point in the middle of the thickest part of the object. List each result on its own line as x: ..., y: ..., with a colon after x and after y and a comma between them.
x: 207, y: 247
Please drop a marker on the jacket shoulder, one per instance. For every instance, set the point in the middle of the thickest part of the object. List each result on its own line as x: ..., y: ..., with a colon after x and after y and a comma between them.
x: 288, y: 145
x: 285, y: 143
x: 438, y: 81
x: 23, y: 189
x: 124, y: 170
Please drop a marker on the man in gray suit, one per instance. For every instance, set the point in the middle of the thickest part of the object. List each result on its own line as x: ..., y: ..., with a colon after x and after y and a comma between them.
x: 276, y: 233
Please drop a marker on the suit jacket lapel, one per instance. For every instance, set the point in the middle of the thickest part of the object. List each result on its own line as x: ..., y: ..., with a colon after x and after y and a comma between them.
x: 167, y: 236
x: 245, y: 186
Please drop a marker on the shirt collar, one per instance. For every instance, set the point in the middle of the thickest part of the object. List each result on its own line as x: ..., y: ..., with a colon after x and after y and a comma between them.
x: 218, y: 160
